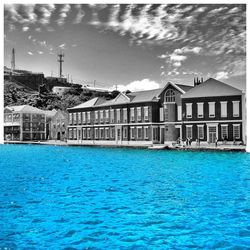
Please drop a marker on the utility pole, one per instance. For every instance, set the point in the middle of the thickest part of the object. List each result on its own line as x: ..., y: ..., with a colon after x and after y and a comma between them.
x: 60, y: 60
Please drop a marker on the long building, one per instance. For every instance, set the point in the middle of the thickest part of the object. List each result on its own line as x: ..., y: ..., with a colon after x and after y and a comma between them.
x: 210, y: 112
x: 137, y: 118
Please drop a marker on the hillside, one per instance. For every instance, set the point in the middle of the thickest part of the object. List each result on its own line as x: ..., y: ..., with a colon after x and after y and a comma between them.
x: 16, y: 93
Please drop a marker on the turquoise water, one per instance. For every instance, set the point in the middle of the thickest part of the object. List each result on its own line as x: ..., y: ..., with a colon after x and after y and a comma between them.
x: 54, y: 197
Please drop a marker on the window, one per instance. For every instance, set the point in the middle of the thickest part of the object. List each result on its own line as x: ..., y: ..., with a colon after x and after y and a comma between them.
x: 107, y: 133
x: 112, y: 116
x: 236, y: 131
x: 224, y: 132
x: 96, y: 116
x: 107, y: 115
x: 145, y: 113
x: 74, y: 134
x: 139, y: 132
x: 132, y: 132
x: 79, y: 118
x: 146, y: 132
x: 200, y: 131
x: 101, y: 115
x: 70, y: 119
x: 223, y: 109
x: 118, y: 115
x: 211, y: 107
x: 112, y: 133
x: 88, y: 116
x: 125, y: 132
x: 88, y: 133
x: 102, y: 133
x: 179, y: 113
x: 200, y: 109
x: 189, y: 132
x: 189, y: 110
x: 139, y: 114
x: 96, y: 133
x: 70, y: 133
x: 132, y: 114
x: 236, y: 108
x: 74, y: 118
x: 83, y: 117
x: 84, y: 135
x: 125, y: 115
x: 170, y: 96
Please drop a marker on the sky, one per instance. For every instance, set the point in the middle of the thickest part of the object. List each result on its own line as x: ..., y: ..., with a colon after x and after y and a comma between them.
x: 129, y: 46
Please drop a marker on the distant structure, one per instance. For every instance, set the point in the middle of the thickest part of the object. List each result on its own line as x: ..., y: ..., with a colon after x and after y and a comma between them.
x: 197, y: 81
x: 60, y: 60
x: 13, y: 61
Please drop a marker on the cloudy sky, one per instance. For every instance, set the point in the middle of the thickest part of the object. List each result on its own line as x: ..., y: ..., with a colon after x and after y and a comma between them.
x: 136, y: 46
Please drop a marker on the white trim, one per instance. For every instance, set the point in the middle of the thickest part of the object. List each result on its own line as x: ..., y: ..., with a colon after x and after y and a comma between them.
x: 209, y: 114
x: 236, y: 125
x: 189, y: 105
x: 146, y: 127
x: 198, y: 127
x: 137, y: 128
x: 221, y: 103
x: 212, y: 125
x: 202, y: 104
x: 236, y: 102
x: 189, y: 126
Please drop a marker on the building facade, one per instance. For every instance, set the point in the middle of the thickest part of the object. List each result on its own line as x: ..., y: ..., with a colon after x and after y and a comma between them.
x: 58, y: 126
x: 24, y: 123
x: 137, y: 118
x: 212, y: 111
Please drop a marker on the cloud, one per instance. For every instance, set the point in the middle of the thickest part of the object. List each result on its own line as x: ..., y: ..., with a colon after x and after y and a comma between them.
x: 63, y: 14
x: 163, y: 56
x: 178, y: 58
x: 46, y: 12
x: 218, y: 10
x: 139, y: 85
x: 62, y: 46
x: 184, y: 50
x: 80, y: 14
x: 221, y: 75
x: 25, y: 28
x: 40, y: 52
x: 30, y: 53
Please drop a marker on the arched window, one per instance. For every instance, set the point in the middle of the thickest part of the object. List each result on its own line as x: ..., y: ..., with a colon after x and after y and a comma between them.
x: 170, y: 96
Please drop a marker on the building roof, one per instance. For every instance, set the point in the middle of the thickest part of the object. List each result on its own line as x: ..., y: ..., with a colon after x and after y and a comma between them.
x: 25, y: 109
x: 50, y: 113
x: 132, y: 97
x: 211, y: 87
x: 88, y: 104
x: 184, y: 87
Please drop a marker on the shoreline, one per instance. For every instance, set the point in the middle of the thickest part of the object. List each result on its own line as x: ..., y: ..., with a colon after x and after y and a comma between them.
x: 219, y: 148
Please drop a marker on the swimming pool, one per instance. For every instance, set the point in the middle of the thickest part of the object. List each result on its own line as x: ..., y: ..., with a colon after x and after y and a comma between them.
x: 54, y: 197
